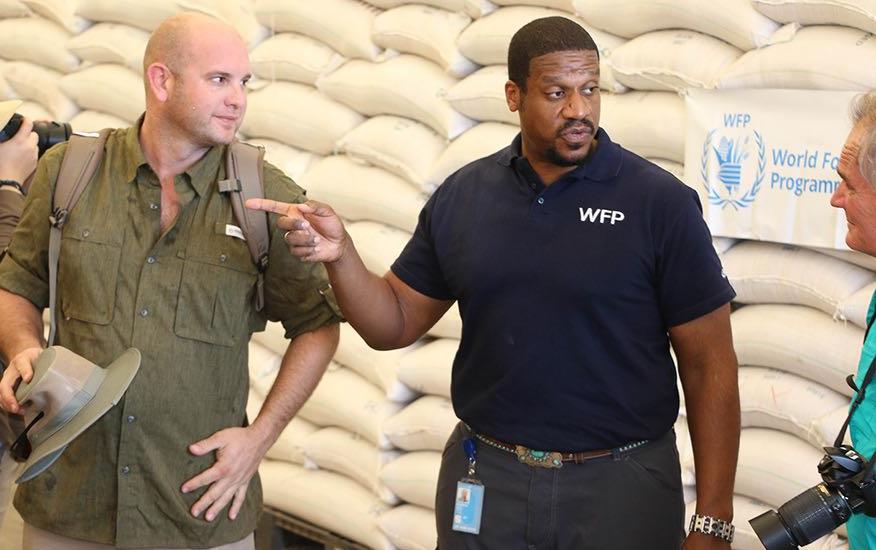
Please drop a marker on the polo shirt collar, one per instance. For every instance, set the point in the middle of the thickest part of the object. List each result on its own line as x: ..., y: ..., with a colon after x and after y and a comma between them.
x: 603, y: 164
x: 201, y: 174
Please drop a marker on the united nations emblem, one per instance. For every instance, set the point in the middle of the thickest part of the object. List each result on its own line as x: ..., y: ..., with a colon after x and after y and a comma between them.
x: 730, y: 178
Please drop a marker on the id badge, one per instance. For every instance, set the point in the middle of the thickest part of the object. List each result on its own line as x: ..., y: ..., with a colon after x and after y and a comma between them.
x: 468, y: 507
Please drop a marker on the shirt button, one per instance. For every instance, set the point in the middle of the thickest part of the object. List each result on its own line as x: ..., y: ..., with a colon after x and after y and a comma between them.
x: 144, y: 312
x: 153, y: 206
x: 223, y: 258
x: 150, y: 260
x: 126, y: 470
x: 131, y: 418
x: 541, y: 200
x: 85, y: 234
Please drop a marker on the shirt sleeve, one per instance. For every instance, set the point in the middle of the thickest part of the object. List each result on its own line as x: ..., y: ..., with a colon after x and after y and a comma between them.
x: 690, y: 277
x: 418, y: 265
x: 11, y: 205
x: 25, y: 268
x: 297, y: 293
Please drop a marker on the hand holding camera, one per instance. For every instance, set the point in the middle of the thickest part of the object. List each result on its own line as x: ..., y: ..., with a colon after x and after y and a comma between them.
x: 18, y: 155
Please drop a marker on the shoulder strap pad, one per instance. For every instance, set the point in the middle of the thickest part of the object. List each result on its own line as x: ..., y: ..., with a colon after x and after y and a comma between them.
x: 245, y: 180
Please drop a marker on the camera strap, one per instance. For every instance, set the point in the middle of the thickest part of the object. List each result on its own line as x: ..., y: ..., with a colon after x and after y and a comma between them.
x: 850, y: 380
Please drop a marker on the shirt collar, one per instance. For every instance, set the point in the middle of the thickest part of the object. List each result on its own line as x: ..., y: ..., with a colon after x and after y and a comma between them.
x: 603, y: 164
x: 201, y: 174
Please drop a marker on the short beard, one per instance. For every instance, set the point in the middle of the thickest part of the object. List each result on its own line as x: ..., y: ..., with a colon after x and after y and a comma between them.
x: 556, y: 158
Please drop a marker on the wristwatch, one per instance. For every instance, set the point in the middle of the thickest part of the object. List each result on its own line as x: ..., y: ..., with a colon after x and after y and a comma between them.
x: 12, y: 183
x: 712, y: 526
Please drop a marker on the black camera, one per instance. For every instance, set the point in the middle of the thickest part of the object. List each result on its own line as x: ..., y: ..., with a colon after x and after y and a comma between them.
x: 848, y: 488
x: 50, y: 133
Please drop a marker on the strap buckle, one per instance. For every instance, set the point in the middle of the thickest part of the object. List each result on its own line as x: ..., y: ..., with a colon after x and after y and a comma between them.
x: 58, y: 217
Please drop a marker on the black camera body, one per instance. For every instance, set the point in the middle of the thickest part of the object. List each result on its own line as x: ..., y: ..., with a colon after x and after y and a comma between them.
x: 49, y: 133
x: 849, y: 487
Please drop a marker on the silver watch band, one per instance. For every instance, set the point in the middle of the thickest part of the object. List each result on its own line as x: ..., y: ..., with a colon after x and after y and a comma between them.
x: 712, y: 526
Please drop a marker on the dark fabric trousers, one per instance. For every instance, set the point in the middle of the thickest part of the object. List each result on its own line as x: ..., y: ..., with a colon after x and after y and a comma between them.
x: 632, y: 501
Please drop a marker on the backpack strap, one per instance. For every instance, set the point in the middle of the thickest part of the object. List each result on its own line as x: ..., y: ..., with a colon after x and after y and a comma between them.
x: 81, y: 160
x: 245, y: 180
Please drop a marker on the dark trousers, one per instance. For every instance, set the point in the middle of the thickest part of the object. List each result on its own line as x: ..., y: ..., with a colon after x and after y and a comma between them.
x: 632, y: 501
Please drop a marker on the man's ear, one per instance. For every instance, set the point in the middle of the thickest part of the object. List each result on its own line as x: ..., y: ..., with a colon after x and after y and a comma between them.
x: 159, y: 80
x: 513, y: 96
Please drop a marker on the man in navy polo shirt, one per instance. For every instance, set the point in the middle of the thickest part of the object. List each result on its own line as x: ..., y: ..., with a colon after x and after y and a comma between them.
x: 575, y: 264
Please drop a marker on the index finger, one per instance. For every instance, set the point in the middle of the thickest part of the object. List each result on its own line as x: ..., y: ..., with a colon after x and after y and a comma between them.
x: 276, y: 207
x: 25, y: 129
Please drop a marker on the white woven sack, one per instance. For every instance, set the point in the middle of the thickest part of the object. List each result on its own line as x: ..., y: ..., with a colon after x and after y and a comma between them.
x: 425, y: 31
x: 359, y: 192
x: 264, y: 364
x: 486, y: 40
x: 448, y: 326
x: 298, y: 115
x: 6, y: 89
x: 428, y: 368
x: 482, y: 140
x: 348, y: 454
x: 407, y: 86
x: 345, y: 25
x: 13, y: 8
x: 293, y: 162
x: 774, y: 466
x: 295, y: 57
x: 797, y: 339
x: 723, y: 244
x: 273, y: 338
x: 674, y: 168
x: 414, y: 477
x: 409, y: 527
x: 289, y: 447
x: 638, y: 122
x: 329, y: 500
x: 144, y: 15
x: 481, y: 96
x: 239, y: 14
x: 848, y: 13
x: 111, y: 43
x: 685, y: 451
x: 34, y: 111
x: 744, y: 537
x: 109, y: 88
x: 402, y: 146
x: 378, y: 244
x: 61, y: 12
x: 253, y: 405
x: 424, y: 425
x: 36, y: 40
x: 472, y: 8
x: 346, y: 400
x: 41, y: 85
x: 734, y: 21
x: 858, y: 258
x: 672, y: 60
x: 783, y: 401
x: 378, y: 367
x: 855, y: 307
x: 820, y: 58
x: 762, y: 272
x: 94, y: 121
x: 565, y: 5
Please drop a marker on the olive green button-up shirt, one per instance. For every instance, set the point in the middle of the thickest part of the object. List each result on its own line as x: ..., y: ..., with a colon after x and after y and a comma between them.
x: 185, y: 300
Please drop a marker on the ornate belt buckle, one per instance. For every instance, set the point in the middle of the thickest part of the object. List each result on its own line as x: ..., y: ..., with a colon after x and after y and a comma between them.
x: 539, y: 459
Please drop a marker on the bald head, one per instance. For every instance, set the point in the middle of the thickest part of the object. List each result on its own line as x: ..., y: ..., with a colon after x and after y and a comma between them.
x: 173, y: 42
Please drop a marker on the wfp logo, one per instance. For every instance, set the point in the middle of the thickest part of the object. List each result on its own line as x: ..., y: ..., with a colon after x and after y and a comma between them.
x: 731, y: 175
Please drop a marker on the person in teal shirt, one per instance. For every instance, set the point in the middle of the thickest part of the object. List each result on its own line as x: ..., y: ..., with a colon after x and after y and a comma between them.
x: 856, y: 195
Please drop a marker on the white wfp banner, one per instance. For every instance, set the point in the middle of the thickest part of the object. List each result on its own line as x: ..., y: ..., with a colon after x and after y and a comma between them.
x: 764, y: 162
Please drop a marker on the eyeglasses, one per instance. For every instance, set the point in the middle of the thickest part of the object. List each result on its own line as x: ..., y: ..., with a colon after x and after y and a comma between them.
x: 21, y: 447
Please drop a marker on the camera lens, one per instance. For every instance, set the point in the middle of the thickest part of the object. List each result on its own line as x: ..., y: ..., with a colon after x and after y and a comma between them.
x: 51, y: 134
x: 807, y: 517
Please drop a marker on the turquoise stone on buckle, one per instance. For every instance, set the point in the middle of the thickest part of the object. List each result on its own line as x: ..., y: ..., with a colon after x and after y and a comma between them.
x: 541, y: 459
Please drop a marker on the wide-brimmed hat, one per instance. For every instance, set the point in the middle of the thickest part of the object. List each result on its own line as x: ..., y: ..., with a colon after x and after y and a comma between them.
x: 66, y: 395
x: 7, y: 109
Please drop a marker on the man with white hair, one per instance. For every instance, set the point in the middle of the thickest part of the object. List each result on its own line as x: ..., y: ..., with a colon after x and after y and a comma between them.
x: 152, y: 258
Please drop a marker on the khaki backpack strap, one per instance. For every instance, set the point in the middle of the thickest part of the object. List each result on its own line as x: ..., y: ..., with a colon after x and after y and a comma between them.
x: 244, y: 170
x: 81, y: 160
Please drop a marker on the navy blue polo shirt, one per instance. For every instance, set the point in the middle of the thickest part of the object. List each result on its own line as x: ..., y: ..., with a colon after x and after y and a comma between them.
x: 566, y: 294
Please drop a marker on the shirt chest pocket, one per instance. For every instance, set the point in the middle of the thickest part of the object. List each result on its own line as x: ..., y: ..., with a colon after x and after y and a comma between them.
x: 88, y: 271
x: 216, y: 290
